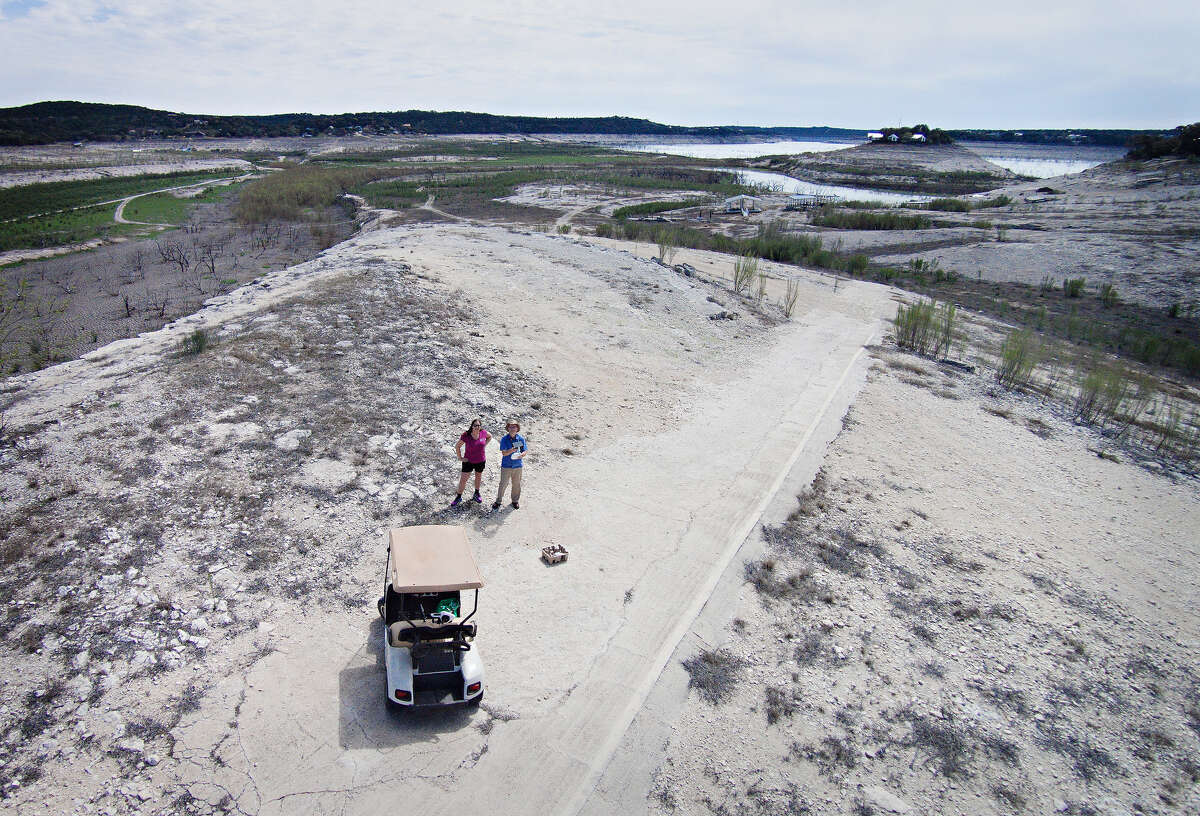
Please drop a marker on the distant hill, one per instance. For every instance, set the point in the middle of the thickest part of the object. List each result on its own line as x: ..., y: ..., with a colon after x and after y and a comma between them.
x: 48, y: 122
x: 1082, y: 136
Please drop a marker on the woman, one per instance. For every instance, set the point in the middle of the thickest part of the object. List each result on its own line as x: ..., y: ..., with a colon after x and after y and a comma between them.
x: 471, y: 452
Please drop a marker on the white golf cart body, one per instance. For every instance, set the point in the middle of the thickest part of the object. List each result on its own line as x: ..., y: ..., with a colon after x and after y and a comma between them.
x: 427, y: 639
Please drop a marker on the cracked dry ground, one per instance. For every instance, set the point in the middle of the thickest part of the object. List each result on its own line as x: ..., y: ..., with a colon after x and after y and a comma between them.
x: 160, y: 538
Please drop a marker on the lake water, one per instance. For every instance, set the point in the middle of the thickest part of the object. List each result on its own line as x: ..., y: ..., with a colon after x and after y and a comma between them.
x: 1035, y: 161
x: 741, y: 151
x: 778, y: 182
x: 1044, y: 161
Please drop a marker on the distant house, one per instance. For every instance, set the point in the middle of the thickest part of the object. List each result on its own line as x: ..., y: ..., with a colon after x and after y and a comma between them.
x: 918, y: 137
x: 874, y: 136
x: 745, y: 204
x: 892, y: 137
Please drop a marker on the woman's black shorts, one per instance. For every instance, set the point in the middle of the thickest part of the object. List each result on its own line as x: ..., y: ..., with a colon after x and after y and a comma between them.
x: 473, y: 466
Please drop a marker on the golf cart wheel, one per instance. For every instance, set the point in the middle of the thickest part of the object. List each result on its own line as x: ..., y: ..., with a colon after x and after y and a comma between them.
x: 380, y: 606
x: 474, y: 702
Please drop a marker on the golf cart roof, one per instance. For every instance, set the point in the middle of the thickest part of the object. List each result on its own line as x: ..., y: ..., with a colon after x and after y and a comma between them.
x: 432, y: 558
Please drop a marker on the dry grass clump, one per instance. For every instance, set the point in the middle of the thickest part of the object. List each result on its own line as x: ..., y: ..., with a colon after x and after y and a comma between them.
x: 942, y: 741
x: 809, y: 649
x: 1088, y: 761
x: 780, y: 703
x: 798, y: 586
x: 714, y: 673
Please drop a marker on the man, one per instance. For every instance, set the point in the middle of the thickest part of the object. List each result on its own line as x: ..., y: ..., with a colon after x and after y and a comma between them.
x: 512, y: 446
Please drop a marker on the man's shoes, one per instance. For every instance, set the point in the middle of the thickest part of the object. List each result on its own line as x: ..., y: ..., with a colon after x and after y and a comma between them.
x: 457, y: 501
x: 495, y: 505
x: 477, y: 497
x: 516, y: 506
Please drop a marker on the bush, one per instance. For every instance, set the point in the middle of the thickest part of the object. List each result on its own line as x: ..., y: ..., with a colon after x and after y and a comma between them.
x: 1111, y: 393
x: 858, y: 220
x: 788, y: 304
x: 926, y: 327
x: 1108, y: 295
x: 1018, y: 358
x: 1073, y: 287
x: 944, y: 205
x: 285, y: 195
x: 667, y: 246
x: 651, y: 207
x: 745, y: 269
x: 195, y: 343
x: 715, y: 673
x: 998, y: 201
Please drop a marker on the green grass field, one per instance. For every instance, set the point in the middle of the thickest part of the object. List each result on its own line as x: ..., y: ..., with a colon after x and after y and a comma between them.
x: 60, y: 229
x: 73, y: 226
x: 165, y: 208
x: 38, y: 199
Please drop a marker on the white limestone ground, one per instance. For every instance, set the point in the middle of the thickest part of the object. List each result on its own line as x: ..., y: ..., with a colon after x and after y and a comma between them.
x: 202, y: 531
x: 969, y: 612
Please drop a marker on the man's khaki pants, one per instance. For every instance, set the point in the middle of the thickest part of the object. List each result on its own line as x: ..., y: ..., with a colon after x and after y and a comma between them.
x: 506, y: 475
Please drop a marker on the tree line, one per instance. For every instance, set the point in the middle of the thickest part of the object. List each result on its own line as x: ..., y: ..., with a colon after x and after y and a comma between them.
x: 48, y: 122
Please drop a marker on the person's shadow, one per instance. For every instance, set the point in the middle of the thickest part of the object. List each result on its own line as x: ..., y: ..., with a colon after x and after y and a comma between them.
x: 367, y: 721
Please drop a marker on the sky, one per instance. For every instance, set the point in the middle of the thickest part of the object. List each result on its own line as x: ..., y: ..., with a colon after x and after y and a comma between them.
x: 843, y: 63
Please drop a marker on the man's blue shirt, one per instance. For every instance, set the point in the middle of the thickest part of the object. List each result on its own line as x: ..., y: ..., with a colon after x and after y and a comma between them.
x: 513, y: 444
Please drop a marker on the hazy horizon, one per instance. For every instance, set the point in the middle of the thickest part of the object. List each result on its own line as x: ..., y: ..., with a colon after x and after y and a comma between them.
x: 866, y: 64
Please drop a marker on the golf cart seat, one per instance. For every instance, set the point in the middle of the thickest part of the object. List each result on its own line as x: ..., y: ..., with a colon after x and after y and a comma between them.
x: 402, y: 633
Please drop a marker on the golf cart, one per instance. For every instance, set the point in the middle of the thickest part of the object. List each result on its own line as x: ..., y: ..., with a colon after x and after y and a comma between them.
x: 427, y: 640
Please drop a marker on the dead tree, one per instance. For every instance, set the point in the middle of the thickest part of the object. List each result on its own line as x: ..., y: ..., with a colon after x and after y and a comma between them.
x: 155, y: 302
x: 134, y: 268
x: 174, y: 252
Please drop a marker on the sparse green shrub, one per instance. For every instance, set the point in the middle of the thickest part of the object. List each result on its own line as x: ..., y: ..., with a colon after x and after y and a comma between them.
x: 667, y: 246
x: 790, y: 297
x: 745, y: 269
x: 1109, y: 392
x: 195, y: 343
x: 1047, y: 285
x: 286, y: 195
x: 998, y: 201
x: 830, y: 216
x: 1073, y: 287
x: 564, y: 229
x: 652, y: 207
x: 1019, y: 356
x: 918, y: 268
x: 925, y: 327
x: 944, y: 205
x: 1108, y: 295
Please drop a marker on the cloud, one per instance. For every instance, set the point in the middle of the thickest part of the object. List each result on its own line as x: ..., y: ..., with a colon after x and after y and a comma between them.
x: 856, y: 63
